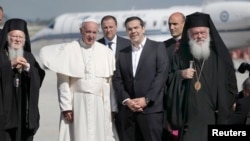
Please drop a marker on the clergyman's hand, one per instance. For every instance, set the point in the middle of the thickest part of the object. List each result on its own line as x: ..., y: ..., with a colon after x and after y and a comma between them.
x: 19, y: 62
x: 188, y: 73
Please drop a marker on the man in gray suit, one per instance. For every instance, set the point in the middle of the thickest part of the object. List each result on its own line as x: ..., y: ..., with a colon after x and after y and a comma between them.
x: 115, y: 43
x: 139, y: 80
x: 109, y: 29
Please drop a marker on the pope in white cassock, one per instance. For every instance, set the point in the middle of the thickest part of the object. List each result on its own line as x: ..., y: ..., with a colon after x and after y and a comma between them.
x: 84, y: 69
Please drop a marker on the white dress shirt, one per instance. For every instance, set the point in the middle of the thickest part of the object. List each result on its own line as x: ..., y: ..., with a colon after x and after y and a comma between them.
x: 136, y: 54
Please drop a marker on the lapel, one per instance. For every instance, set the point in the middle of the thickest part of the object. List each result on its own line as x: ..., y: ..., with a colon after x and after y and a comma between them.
x: 172, y: 46
x: 128, y: 60
x: 102, y: 41
x: 118, y: 45
x: 145, y: 52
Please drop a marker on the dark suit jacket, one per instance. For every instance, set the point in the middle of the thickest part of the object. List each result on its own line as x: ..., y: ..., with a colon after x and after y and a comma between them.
x: 150, y: 77
x: 170, y: 46
x: 121, y: 43
x: 1, y: 33
x: 241, y: 114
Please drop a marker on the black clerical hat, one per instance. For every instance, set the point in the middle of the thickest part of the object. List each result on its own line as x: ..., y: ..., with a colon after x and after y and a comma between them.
x: 15, y: 24
x: 197, y: 20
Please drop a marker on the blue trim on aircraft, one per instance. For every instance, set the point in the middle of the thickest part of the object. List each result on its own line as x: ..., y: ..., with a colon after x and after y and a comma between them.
x: 121, y: 33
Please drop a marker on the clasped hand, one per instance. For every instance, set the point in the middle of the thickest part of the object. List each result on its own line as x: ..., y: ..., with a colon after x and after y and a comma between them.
x: 136, y: 104
x: 19, y: 62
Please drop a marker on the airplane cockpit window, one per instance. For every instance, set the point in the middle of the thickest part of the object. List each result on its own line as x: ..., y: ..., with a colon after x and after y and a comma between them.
x: 51, y: 24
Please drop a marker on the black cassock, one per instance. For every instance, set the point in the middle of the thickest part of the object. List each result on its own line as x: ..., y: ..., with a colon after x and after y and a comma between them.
x: 191, y: 110
x: 19, y: 99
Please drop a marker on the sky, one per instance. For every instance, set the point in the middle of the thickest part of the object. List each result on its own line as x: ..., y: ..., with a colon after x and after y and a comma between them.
x: 48, y: 9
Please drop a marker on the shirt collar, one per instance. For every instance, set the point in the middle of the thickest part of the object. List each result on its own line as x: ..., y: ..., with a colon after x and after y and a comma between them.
x: 141, y: 45
x: 113, y: 40
x: 178, y: 38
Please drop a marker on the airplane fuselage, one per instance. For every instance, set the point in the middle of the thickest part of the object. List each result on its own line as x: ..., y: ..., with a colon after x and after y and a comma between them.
x: 231, y: 21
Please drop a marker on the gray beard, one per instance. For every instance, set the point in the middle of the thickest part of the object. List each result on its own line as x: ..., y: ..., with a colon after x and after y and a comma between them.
x: 200, y: 51
x: 15, y: 53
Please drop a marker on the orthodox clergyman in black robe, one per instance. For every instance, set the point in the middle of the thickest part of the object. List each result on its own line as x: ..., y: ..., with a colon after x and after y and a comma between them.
x: 20, y: 81
x: 203, y: 86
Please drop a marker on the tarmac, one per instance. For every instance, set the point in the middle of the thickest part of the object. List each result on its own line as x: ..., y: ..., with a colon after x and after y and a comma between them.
x: 49, y: 107
x: 48, y: 102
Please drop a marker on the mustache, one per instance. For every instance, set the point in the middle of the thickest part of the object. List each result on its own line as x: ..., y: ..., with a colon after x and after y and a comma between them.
x: 200, y: 51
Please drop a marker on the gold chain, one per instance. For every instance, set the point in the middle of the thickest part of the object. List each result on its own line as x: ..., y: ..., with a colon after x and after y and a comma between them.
x: 198, y: 77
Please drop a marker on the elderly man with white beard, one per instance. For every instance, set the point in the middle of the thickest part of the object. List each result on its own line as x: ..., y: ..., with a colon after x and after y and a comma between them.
x: 204, y: 85
x: 20, y: 81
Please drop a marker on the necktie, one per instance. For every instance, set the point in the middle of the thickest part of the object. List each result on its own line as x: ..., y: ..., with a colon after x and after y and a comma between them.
x: 177, y: 44
x: 109, y: 44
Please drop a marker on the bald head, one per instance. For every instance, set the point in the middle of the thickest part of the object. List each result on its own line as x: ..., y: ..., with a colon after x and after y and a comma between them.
x: 176, y: 23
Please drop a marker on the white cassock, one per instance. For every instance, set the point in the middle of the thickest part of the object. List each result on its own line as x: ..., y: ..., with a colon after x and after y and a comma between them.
x: 84, y: 84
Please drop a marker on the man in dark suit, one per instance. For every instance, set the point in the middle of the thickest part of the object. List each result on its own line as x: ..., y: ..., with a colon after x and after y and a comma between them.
x: 139, y: 80
x: 109, y: 29
x: 117, y: 43
x: 241, y: 114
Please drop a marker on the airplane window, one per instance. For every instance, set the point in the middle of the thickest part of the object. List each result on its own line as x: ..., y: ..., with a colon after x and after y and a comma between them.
x: 155, y: 23
x: 165, y: 23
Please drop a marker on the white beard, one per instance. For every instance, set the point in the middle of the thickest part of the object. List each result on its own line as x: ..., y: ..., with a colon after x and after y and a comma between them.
x: 200, y: 51
x: 15, y: 53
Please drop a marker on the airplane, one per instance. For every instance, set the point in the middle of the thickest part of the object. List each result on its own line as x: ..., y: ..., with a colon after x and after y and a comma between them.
x: 232, y: 22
